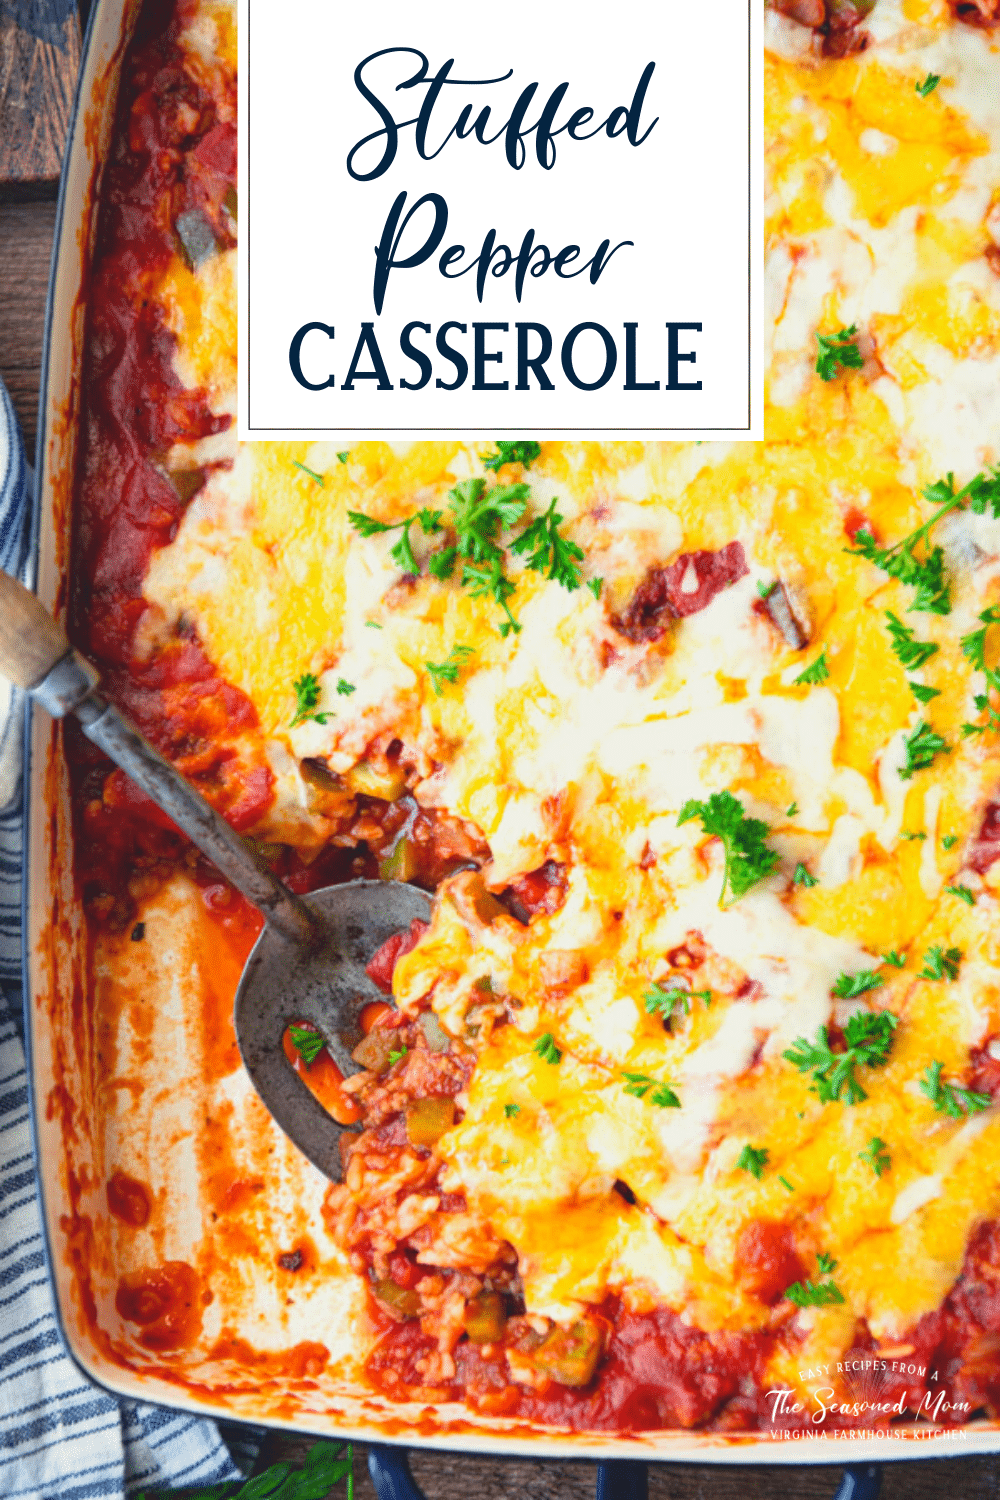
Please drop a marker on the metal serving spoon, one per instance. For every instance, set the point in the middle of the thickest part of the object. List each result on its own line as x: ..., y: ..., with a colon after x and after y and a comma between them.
x: 308, y: 963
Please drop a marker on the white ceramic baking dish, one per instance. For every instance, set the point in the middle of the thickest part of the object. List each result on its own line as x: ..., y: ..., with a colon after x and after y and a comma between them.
x: 81, y: 1123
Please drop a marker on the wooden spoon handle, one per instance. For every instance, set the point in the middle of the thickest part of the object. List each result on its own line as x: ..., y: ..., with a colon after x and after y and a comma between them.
x: 30, y: 640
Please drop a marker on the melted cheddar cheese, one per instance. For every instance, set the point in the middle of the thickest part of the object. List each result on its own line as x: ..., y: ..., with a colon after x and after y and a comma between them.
x: 568, y: 741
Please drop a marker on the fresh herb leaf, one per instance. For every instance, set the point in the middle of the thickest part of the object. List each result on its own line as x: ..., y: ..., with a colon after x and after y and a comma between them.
x: 815, y: 674
x: 345, y: 688
x: 868, y: 1037
x: 817, y: 1293
x: 668, y: 1001
x: 752, y: 1161
x: 911, y: 653
x: 480, y: 514
x: 949, y: 841
x: 791, y: 810
x: 838, y: 351
x: 849, y: 986
x: 802, y: 877
x: 595, y: 585
x: 876, y: 1155
x: 912, y: 838
x: 323, y: 1468
x: 368, y: 526
x: 430, y: 520
x: 765, y: 590
x: 402, y: 552
x: 447, y: 670
x: 344, y: 456
x: 786, y: 1184
x: 308, y: 1044
x: 948, y: 1098
x: 962, y: 892
x: 640, y: 1084
x: 511, y: 1110
x: 940, y: 963
x: 748, y: 858
x: 372, y: 625
x: 520, y: 452
x: 547, y: 552
x: 546, y: 1049
x: 442, y: 564
x: 395, y: 1057
x: 928, y: 85
x: 318, y: 478
x: 897, y: 960
x: 974, y: 644
x: 922, y: 744
x: 307, y: 695
x: 491, y: 583
x: 922, y: 693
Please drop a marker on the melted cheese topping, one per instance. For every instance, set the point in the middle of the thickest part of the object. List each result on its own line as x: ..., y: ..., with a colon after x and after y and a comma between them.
x: 569, y: 742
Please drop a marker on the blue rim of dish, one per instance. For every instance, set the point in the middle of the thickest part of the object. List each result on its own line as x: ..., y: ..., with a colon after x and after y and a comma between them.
x: 858, y: 1480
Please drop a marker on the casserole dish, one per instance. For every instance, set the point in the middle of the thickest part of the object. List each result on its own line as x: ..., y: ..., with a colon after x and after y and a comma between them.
x: 265, y: 1362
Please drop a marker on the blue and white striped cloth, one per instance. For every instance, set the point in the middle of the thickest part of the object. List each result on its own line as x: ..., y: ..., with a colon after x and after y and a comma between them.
x: 60, y: 1437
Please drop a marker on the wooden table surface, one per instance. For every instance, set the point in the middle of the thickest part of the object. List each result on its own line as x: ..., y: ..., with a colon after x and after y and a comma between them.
x: 25, y: 245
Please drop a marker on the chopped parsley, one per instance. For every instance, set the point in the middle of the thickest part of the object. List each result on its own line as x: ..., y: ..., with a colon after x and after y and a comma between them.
x: 344, y: 456
x: 447, y: 670
x: 817, y: 1293
x: 791, y: 810
x: 307, y: 696
x: 897, y: 960
x: 345, y: 688
x: 974, y: 650
x: 372, y: 625
x: 962, y: 892
x: 491, y: 583
x: 317, y: 478
x: 548, y: 552
x: 511, y: 1110
x: 802, y: 876
x: 912, y: 837
x: 922, y: 744
x: 868, y: 1035
x: 949, y: 841
x: 753, y: 1161
x: 815, y: 674
x: 395, y: 1057
x: 948, y: 1098
x: 402, y: 552
x: 748, y: 858
x: 921, y: 692
x: 442, y: 564
x: 849, y: 986
x: 480, y: 514
x: 786, y: 1184
x: 546, y: 1049
x: 765, y: 590
x: 308, y: 1044
x: 928, y: 85
x: 911, y: 653
x: 639, y: 1085
x: 941, y: 963
x: 595, y: 585
x: 523, y: 451
x: 838, y: 351
x: 876, y: 1155
x: 667, y: 1001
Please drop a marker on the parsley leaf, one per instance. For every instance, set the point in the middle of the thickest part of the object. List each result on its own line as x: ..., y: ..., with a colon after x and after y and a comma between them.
x: 802, y: 876
x: 974, y: 644
x: 962, y: 892
x: 928, y: 85
x: 480, y: 514
x: 868, y: 1035
x: 876, y: 1155
x: 922, y: 693
x: 849, y: 986
x: 402, y: 552
x: 546, y: 1049
x: 442, y: 564
x: 940, y: 963
x: 816, y: 1293
x: 911, y: 653
x: 511, y: 1110
x: 307, y: 695
x: 748, y: 858
x: 949, y: 841
x: 838, y: 351
x: 668, y: 1001
x: 368, y: 526
x: 344, y: 456
x: 345, y: 688
x: 308, y: 1044
x: 752, y: 1161
x: 523, y: 451
x: 447, y: 670
x: 791, y: 810
x: 639, y: 1085
x: 765, y: 590
x: 786, y: 1184
x: 922, y: 744
x: 550, y: 553
x: 595, y: 585
x: 912, y: 837
x: 948, y: 1098
x: 492, y: 583
x: 323, y: 1468
x: 318, y: 478
x: 816, y: 673
x: 897, y: 960
x: 395, y: 1057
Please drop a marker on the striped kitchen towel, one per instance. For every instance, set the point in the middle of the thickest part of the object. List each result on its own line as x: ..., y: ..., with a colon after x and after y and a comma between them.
x: 60, y: 1437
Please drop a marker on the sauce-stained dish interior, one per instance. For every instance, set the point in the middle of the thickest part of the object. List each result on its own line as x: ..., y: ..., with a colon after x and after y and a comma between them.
x: 686, y: 1093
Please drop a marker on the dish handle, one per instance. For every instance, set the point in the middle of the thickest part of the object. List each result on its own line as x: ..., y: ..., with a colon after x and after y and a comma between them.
x: 617, y: 1479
